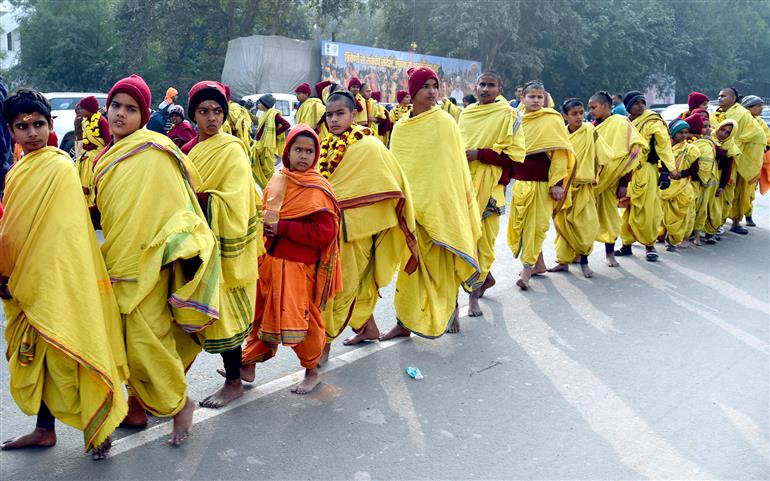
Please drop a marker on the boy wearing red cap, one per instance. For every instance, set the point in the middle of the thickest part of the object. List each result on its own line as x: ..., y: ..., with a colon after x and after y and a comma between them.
x: 310, y: 111
x: 429, y: 147
x: 239, y: 120
x: 695, y: 101
x: 384, y: 125
x: 96, y: 135
x: 354, y: 86
x: 229, y: 199
x: 161, y: 255
x: 403, y: 108
x: 706, y: 179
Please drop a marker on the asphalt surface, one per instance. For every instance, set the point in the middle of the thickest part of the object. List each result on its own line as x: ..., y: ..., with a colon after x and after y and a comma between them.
x: 651, y: 370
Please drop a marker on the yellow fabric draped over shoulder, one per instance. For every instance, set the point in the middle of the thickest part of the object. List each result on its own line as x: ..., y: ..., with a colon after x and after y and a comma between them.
x: 361, y: 117
x: 707, y: 169
x: 677, y: 199
x: 151, y: 220
x: 264, y: 150
x: 625, y: 145
x: 431, y: 153
x: 311, y: 112
x: 238, y: 123
x: 234, y: 215
x: 494, y: 126
x: 85, y: 163
x: 748, y: 137
x: 451, y: 109
x: 63, y: 333
x: 377, y: 209
x: 652, y: 126
x: 545, y: 132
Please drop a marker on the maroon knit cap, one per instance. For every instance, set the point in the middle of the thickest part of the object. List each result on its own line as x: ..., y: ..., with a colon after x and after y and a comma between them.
x: 137, y: 88
x: 377, y: 95
x: 417, y: 78
x: 400, y: 95
x: 320, y: 86
x: 695, y: 122
x: 227, y: 91
x: 304, y: 89
x: 354, y: 82
x: 90, y: 103
x: 207, y: 90
x: 695, y: 99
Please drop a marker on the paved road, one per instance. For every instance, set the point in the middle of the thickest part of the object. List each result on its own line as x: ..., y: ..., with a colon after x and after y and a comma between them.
x: 646, y: 371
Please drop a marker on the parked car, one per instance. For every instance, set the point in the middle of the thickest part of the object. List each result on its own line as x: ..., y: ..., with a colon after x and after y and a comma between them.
x: 285, y: 103
x: 63, y: 113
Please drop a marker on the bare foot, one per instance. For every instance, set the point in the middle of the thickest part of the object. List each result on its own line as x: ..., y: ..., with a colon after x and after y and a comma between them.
x: 230, y: 391
x: 539, y: 266
x: 40, y: 438
x: 587, y: 272
x: 611, y: 262
x: 454, y: 322
x: 576, y: 260
x: 696, y: 238
x: 182, y: 424
x: 136, y: 416
x: 312, y: 378
x: 100, y: 452
x: 685, y: 244
x: 248, y: 372
x: 397, y: 331
x: 559, y: 268
x: 474, y: 310
x: 488, y: 282
x: 369, y: 332
x: 325, y: 354
x: 524, y: 277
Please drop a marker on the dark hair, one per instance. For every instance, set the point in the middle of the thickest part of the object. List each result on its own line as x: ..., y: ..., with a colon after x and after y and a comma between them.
x: 604, y: 97
x: 735, y: 92
x: 533, y: 85
x: 333, y: 87
x: 26, y: 101
x: 343, y: 95
x: 453, y: 100
x: 470, y: 98
x: 494, y: 75
x: 307, y: 134
x: 570, y: 104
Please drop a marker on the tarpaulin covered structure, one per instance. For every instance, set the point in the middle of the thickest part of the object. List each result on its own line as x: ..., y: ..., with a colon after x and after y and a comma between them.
x: 270, y: 64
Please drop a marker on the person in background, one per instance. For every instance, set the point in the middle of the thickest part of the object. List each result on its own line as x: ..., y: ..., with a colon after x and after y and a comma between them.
x: 95, y: 135
x: 617, y: 105
x: 181, y: 131
x: 269, y: 139
x: 468, y: 99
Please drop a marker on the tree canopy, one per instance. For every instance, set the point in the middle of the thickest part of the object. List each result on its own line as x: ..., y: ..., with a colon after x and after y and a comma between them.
x: 575, y: 46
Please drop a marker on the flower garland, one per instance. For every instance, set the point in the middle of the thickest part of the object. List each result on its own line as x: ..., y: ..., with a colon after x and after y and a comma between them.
x: 333, y: 148
x: 401, y: 111
x: 92, y: 127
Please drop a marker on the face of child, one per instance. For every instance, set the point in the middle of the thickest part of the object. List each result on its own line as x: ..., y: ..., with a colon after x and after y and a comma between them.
x: 366, y: 92
x: 680, y: 136
x: 706, y: 131
x: 637, y: 109
x: 724, y: 131
x: 175, y: 119
x: 30, y: 131
x: 599, y: 110
x: 427, y: 94
x: 487, y: 90
x: 301, y: 96
x: 574, y: 117
x: 302, y: 154
x: 339, y: 116
x: 406, y: 100
x: 79, y: 111
x: 354, y: 89
x: 124, y: 116
x: 756, y: 110
x: 534, y: 100
x: 209, y: 116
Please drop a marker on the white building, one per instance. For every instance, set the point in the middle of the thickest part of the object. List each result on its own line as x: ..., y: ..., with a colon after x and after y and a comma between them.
x: 10, y: 39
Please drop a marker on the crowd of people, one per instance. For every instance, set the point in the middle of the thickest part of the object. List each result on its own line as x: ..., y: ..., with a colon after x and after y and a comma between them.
x: 206, y: 247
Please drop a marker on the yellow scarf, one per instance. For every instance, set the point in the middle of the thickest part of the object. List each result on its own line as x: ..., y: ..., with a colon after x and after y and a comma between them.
x: 685, y: 155
x: 238, y: 123
x: 311, y: 112
x: 430, y: 150
x: 591, y: 153
x: 625, y: 145
x: 264, y: 150
x: 145, y: 191
x: 493, y: 126
x: 62, y: 299
x: 374, y: 196
x: 706, y: 161
x: 651, y: 125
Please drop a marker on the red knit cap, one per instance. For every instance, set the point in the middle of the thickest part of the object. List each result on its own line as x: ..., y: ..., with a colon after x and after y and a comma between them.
x: 695, y: 122
x: 207, y: 90
x: 400, y: 95
x: 354, y: 82
x: 701, y: 112
x: 304, y: 89
x: 320, y: 86
x: 90, y: 103
x: 293, y: 133
x: 227, y: 91
x: 377, y: 95
x: 417, y: 78
x: 137, y: 88
x: 695, y: 99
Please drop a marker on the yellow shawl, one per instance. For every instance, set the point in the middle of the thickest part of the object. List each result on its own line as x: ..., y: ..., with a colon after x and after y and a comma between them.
x: 264, y: 150
x: 545, y: 132
x: 61, y: 296
x: 238, y: 123
x: 233, y: 213
x: 361, y: 117
x: 431, y: 153
x: 625, y: 146
x: 591, y: 153
x: 706, y: 161
x: 374, y: 196
x: 685, y: 155
x: 145, y: 192
x: 311, y: 112
x: 452, y: 109
x: 651, y: 125
x: 493, y: 126
x: 748, y: 136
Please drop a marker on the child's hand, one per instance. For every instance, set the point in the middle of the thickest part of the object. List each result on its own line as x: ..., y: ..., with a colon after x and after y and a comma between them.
x: 270, y: 230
